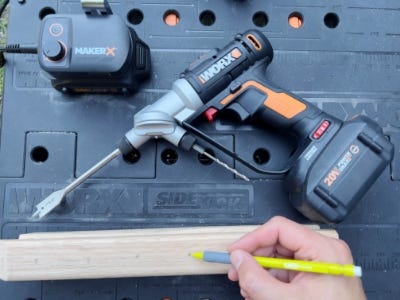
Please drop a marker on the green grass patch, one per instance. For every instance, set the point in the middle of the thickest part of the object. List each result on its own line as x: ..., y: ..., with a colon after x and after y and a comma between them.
x: 3, y: 39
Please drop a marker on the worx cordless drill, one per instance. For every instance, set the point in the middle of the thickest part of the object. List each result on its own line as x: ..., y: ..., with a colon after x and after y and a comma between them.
x: 337, y: 162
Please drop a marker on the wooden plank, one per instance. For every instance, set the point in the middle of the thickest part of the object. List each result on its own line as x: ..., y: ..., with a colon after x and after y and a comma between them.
x: 144, y: 252
x: 151, y: 231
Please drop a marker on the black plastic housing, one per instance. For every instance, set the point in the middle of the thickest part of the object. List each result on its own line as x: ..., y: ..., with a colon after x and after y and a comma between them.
x: 329, y: 178
x: 92, y: 54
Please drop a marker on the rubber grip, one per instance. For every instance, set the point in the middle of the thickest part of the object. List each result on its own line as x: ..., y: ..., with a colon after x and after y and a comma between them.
x: 284, y: 104
x: 280, y: 102
x: 271, y: 105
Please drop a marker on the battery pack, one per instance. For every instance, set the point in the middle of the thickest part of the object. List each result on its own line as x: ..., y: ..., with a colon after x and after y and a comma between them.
x: 329, y: 180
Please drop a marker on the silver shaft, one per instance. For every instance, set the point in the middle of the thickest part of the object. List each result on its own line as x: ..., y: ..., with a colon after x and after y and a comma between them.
x: 56, y: 198
x: 91, y: 171
x: 202, y: 151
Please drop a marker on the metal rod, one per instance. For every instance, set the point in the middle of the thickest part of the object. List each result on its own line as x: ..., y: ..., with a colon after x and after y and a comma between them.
x: 202, y: 151
x: 92, y: 170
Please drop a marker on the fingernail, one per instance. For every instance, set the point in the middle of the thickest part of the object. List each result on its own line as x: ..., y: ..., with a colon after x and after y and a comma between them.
x: 236, y: 259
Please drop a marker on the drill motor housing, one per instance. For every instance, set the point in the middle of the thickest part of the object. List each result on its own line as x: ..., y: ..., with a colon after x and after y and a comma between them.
x: 92, y: 54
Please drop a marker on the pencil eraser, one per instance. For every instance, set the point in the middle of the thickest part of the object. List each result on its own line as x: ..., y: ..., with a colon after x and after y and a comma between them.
x: 357, y: 271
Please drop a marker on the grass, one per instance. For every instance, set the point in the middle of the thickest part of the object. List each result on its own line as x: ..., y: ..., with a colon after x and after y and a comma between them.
x: 3, y: 36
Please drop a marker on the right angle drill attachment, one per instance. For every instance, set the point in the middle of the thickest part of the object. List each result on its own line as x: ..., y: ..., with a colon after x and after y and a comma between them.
x: 336, y: 161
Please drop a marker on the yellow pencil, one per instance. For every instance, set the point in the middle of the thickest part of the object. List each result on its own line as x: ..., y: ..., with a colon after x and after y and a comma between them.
x: 286, y: 264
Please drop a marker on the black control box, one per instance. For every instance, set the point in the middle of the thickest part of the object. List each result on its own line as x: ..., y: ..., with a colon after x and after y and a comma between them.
x: 100, y: 54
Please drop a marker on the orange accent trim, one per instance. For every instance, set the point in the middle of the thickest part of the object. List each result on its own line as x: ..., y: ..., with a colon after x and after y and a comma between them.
x: 281, y: 103
x: 236, y: 53
x: 256, y: 43
x: 110, y: 51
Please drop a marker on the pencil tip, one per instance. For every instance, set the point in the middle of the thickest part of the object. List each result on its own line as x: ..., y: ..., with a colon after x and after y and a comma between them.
x: 198, y: 255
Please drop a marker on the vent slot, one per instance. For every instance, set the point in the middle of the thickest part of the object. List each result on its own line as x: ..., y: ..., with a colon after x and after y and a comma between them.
x: 254, y: 41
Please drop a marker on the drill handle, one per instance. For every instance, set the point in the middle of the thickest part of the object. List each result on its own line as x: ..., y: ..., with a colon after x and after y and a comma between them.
x: 284, y: 110
x: 250, y: 97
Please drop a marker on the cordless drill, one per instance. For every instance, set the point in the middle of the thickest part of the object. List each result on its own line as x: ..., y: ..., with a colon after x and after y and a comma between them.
x: 338, y: 160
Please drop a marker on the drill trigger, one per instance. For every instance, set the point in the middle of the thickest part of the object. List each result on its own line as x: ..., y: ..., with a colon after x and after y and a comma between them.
x: 237, y: 111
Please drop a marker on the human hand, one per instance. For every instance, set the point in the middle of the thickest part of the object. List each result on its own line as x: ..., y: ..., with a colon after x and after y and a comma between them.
x: 281, y: 237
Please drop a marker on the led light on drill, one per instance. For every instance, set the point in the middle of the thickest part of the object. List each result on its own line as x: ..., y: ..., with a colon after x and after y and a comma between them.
x: 319, y: 132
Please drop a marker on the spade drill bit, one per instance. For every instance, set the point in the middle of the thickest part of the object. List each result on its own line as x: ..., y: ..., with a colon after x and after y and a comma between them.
x: 57, y: 197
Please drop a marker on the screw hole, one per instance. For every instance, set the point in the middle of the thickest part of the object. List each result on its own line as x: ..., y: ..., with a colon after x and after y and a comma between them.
x: 39, y: 154
x: 260, y: 19
x: 45, y: 12
x: 171, y: 17
x: 132, y: 157
x: 205, y: 160
x: 207, y: 18
x: 331, y: 20
x: 295, y: 20
x: 261, y: 156
x: 169, y: 156
x: 135, y: 16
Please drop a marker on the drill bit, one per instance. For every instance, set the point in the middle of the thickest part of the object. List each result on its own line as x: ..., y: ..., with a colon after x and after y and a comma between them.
x: 203, y: 151
x: 56, y: 198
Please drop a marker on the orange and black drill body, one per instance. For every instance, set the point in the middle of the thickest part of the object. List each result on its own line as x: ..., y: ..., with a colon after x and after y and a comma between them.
x: 337, y: 161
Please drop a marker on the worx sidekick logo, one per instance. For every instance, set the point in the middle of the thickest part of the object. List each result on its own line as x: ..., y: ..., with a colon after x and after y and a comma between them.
x: 219, y: 65
x: 106, y: 51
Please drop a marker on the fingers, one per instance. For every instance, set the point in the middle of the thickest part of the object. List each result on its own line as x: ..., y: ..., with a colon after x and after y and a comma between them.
x: 281, y: 237
x: 282, y: 275
x: 292, y: 239
x: 278, y: 230
x: 255, y: 282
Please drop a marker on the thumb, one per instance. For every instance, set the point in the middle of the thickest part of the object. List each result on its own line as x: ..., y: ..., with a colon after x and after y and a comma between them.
x: 255, y: 282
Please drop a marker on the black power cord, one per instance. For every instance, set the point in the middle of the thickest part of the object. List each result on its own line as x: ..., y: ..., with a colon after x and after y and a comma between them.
x: 13, y: 48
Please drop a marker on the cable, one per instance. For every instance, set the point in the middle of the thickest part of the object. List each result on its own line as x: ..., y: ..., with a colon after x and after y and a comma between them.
x: 18, y: 48
x: 13, y: 48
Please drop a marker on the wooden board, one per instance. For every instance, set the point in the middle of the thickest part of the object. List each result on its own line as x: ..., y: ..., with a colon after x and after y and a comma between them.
x: 116, y: 253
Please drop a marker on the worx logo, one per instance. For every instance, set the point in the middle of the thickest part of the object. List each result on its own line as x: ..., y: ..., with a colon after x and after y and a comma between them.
x: 107, y: 51
x: 99, y: 199
x: 221, y: 64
